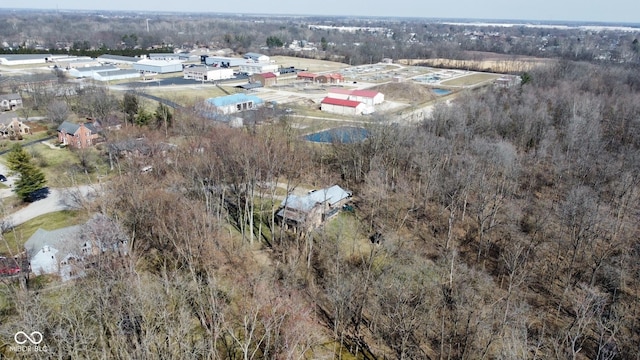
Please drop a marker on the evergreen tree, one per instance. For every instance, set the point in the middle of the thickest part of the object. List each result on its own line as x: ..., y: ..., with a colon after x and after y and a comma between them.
x: 31, y: 178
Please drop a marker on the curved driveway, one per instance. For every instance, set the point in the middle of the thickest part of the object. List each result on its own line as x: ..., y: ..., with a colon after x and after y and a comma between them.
x: 58, y: 200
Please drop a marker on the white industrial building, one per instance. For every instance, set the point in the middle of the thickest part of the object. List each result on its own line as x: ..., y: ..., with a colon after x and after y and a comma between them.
x: 120, y: 74
x: 24, y: 59
x: 118, y: 59
x: 222, y: 61
x: 343, y: 107
x: 206, y: 73
x: 235, y: 103
x: 90, y: 71
x: 158, y: 66
x: 256, y: 57
x: 76, y: 62
x: 259, y: 68
x: 368, y: 97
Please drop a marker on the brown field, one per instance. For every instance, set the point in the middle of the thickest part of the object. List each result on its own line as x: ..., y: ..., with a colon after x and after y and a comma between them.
x: 312, y: 65
x: 470, y: 80
x: 495, y: 64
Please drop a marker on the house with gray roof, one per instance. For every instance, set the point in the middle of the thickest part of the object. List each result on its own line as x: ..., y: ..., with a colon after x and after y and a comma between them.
x: 10, y: 101
x: 80, y: 136
x: 69, y: 251
x: 51, y: 252
x: 312, y: 210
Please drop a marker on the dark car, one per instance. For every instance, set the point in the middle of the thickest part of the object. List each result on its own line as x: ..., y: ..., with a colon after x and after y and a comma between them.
x: 3, y: 178
x: 38, y: 195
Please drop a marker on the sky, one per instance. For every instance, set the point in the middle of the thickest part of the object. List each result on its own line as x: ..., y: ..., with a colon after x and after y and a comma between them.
x: 622, y: 11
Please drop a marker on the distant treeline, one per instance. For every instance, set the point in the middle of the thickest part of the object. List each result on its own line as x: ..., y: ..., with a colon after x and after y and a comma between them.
x: 90, y: 53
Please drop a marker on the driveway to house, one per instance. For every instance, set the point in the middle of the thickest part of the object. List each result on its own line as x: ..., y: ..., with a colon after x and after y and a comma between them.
x: 58, y: 200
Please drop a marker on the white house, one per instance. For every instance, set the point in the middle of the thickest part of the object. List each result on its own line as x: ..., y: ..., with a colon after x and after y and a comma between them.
x: 343, y: 107
x: 64, y: 252
x: 10, y: 101
x: 206, y: 73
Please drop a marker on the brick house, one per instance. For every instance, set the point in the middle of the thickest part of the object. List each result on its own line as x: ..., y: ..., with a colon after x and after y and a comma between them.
x: 78, y: 136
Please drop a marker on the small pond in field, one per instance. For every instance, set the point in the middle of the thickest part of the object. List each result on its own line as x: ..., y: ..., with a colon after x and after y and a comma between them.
x: 344, y: 134
x: 441, y: 92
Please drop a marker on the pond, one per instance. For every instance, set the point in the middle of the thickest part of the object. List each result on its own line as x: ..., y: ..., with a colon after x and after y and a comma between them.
x: 344, y: 134
x: 441, y: 92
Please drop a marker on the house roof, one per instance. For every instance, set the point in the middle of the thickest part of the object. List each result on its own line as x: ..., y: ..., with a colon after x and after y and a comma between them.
x: 89, y: 69
x: 233, y: 99
x: 332, y: 195
x: 268, y: 75
x: 118, y: 72
x: 304, y: 74
x: 13, y: 57
x: 10, y: 97
x: 53, y: 238
x: 340, y: 102
x: 118, y: 58
x: 71, y: 128
x: 365, y: 93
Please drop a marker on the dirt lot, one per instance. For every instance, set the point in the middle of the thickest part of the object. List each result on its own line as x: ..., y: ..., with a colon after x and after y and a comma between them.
x: 312, y: 65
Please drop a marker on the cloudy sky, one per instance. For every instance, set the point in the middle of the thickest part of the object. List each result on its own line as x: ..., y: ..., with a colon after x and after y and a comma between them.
x: 626, y: 11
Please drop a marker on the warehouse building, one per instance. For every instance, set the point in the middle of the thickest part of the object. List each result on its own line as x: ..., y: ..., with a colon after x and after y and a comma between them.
x: 120, y: 74
x: 118, y: 59
x: 235, y: 103
x: 206, y: 73
x: 24, y: 59
x: 258, y: 68
x: 256, y: 57
x: 90, y: 71
x: 343, y: 107
x: 222, y: 61
x: 158, y: 66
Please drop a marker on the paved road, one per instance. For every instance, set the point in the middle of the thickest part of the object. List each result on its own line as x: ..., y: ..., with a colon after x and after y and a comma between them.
x: 58, y: 200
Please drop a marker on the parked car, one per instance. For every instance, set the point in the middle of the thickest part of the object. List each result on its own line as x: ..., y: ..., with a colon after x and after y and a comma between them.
x: 38, y: 194
x: 3, y: 178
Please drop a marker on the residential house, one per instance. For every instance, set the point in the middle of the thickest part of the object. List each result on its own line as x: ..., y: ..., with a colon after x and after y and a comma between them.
x: 312, y: 210
x: 69, y: 251
x: 14, y: 127
x: 10, y: 101
x: 79, y: 136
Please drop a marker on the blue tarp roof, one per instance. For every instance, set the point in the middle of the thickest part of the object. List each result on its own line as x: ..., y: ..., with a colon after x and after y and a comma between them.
x: 234, y: 99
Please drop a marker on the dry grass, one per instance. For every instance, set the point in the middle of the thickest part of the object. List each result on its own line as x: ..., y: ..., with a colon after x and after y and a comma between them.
x: 504, y: 65
x: 406, y: 92
x: 470, y: 80
x: 312, y: 65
